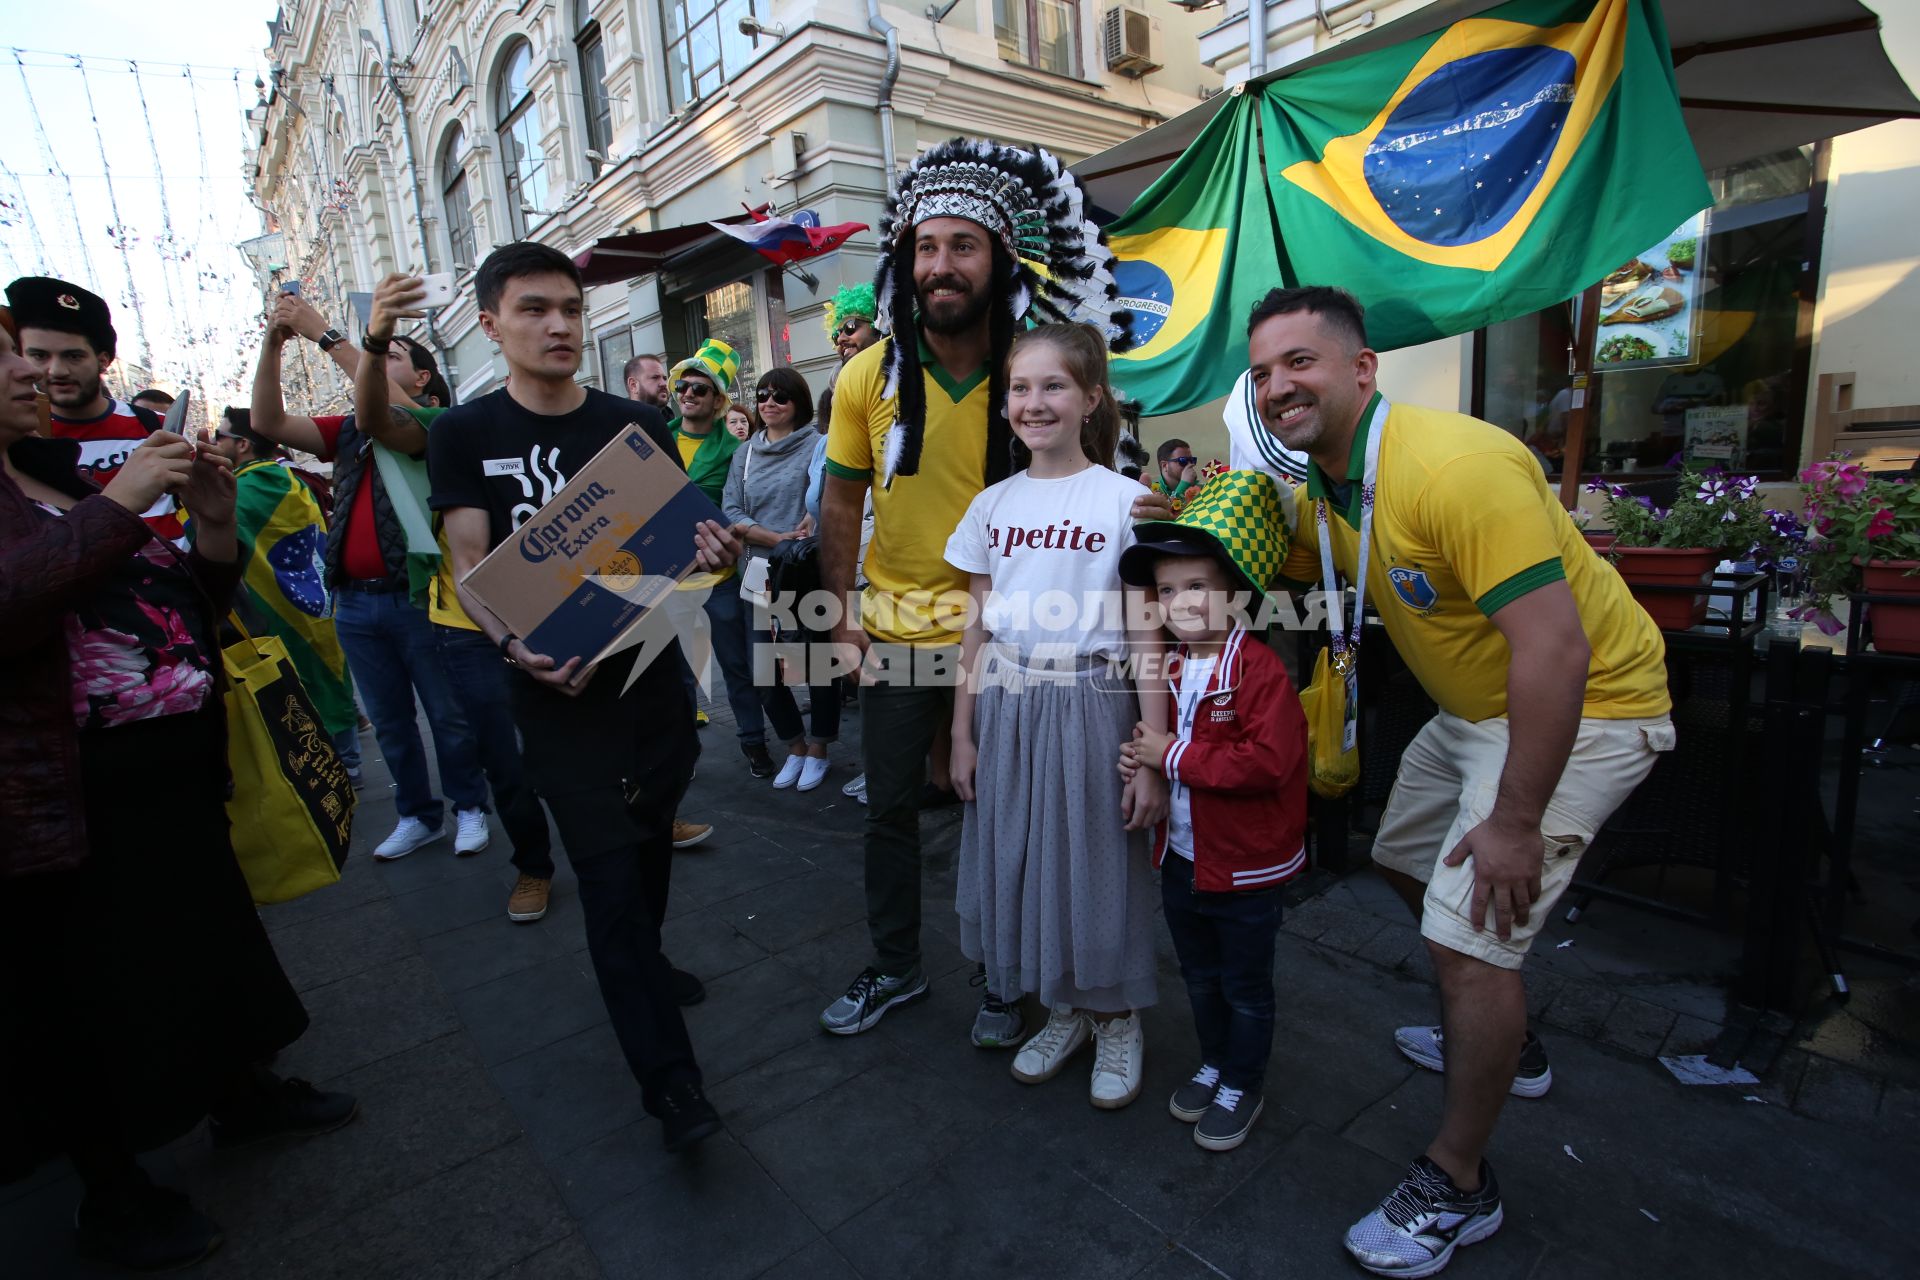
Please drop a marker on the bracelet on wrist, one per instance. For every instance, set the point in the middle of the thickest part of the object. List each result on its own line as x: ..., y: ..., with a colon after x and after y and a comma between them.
x: 373, y: 345
x: 506, y: 645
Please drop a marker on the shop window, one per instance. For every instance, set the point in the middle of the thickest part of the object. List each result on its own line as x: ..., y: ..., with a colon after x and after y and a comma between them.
x: 616, y: 348
x: 453, y: 199
x: 1719, y: 379
x: 1040, y: 33
x: 592, y: 49
x: 704, y: 46
x: 727, y: 313
x: 521, y: 155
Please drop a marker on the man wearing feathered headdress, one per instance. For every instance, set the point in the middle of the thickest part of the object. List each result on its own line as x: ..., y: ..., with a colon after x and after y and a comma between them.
x: 980, y: 239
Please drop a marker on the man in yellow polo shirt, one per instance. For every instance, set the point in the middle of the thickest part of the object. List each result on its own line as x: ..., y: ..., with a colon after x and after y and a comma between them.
x: 1551, y: 686
x: 920, y: 417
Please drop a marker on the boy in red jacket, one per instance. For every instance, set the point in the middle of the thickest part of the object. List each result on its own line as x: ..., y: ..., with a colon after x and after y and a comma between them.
x: 1235, y: 763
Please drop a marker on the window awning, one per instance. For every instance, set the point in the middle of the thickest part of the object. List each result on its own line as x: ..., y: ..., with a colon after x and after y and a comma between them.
x: 1755, y: 78
x: 612, y: 259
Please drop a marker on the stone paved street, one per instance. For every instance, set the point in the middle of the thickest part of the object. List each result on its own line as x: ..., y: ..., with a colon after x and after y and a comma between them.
x: 502, y: 1136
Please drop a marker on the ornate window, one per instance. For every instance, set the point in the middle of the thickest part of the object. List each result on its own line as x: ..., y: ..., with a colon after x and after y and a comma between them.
x: 521, y: 155
x: 593, y: 78
x: 704, y: 46
x: 453, y: 198
x: 1040, y: 33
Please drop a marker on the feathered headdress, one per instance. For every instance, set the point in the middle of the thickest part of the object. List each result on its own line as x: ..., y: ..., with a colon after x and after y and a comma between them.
x: 1052, y: 264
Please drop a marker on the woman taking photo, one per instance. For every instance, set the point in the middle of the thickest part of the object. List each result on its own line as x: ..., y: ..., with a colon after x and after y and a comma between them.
x: 138, y: 990
x: 767, y: 494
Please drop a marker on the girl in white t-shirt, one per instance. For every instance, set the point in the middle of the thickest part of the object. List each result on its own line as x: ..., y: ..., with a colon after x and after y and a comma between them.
x: 1055, y: 896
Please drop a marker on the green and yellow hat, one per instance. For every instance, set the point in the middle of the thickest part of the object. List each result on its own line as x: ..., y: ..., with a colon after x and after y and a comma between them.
x: 1236, y: 517
x: 714, y: 360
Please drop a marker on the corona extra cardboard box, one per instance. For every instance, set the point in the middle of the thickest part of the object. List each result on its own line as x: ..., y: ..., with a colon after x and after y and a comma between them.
x: 589, y: 566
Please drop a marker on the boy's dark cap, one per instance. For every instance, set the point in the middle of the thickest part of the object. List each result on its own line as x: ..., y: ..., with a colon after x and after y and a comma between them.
x: 1160, y: 538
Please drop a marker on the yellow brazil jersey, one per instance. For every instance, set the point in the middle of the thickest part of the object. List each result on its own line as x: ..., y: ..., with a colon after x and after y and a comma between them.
x: 906, y: 564
x: 1464, y: 524
x: 690, y: 445
x: 443, y: 602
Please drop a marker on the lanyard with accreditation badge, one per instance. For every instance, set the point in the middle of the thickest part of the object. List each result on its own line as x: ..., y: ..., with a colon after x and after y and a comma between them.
x: 1345, y: 642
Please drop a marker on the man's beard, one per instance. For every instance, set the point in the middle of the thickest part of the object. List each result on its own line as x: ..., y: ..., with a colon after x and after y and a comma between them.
x: 88, y: 391
x: 972, y: 309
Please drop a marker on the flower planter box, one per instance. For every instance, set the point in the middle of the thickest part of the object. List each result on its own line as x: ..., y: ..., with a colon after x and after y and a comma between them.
x: 1668, y: 567
x: 1896, y: 627
x: 1601, y: 542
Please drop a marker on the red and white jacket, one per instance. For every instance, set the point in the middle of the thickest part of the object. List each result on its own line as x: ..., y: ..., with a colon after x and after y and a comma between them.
x: 1244, y: 763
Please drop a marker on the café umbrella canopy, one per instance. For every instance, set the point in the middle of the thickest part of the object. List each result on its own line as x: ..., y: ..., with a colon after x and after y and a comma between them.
x: 1749, y: 80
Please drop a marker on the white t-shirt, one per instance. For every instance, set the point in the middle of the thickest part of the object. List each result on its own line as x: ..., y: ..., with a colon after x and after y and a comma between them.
x: 1052, y: 549
x: 1194, y: 675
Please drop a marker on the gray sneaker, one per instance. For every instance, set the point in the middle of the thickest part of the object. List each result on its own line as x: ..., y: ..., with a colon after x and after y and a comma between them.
x: 1227, y: 1121
x: 998, y: 1025
x: 869, y: 998
x: 1191, y: 1100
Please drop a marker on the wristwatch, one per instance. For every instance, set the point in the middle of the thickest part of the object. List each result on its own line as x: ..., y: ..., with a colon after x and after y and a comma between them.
x: 506, y: 646
x: 331, y: 339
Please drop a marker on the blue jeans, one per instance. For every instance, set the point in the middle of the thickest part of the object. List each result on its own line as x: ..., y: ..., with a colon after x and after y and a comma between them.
x: 728, y: 614
x: 1225, y: 945
x: 781, y: 707
x: 346, y: 745
x: 390, y: 650
x: 479, y: 678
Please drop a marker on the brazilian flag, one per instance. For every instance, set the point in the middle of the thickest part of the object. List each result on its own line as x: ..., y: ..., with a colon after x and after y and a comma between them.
x: 283, y: 542
x: 1451, y: 181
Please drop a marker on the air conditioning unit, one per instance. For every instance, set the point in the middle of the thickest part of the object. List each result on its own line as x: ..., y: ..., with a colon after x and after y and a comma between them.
x: 1126, y: 35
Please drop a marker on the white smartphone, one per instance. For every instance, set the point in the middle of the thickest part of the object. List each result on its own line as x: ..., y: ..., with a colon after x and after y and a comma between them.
x: 439, y: 286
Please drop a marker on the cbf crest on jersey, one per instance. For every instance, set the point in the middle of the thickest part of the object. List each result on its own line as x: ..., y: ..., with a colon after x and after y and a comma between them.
x: 1413, y: 587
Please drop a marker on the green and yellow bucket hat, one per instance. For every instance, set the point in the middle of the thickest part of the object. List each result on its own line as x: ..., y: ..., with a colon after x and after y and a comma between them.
x: 1236, y: 518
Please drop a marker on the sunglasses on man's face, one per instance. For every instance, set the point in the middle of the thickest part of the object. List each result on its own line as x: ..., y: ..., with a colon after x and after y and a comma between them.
x: 687, y: 385
x: 777, y: 397
x: 1183, y: 462
x: 850, y: 328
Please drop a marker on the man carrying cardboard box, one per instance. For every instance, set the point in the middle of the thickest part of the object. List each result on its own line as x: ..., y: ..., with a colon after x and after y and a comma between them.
x: 611, y: 769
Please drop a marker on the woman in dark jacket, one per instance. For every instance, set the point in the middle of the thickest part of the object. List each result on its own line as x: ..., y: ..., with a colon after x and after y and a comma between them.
x: 138, y: 991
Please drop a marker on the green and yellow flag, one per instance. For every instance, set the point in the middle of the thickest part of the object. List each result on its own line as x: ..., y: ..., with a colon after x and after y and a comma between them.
x: 1481, y: 172
x: 283, y: 538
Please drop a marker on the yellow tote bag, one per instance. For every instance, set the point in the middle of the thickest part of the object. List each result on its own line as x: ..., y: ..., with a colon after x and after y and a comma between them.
x: 1333, y: 766
x: 292, y: 805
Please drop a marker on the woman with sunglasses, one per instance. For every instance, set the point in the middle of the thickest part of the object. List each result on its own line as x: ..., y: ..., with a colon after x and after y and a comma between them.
x: 766, y: 499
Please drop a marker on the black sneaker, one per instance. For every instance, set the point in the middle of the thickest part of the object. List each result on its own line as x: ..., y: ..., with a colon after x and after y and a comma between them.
x: 283, y: 1109
x: 759, y: 763
x: 1423, y: 1220
x: 686, y: 1117
x: 1191, y: 1100
x: 144, y: 1228
x: 1426, y: 1047
x: 687, y: 989
x: 1228, y: 1119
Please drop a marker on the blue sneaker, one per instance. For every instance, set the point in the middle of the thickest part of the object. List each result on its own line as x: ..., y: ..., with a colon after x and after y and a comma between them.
x: 1418, y: 1226
x: 869, y: 998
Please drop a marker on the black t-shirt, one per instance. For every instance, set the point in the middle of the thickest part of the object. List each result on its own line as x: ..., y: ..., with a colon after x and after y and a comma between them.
x: 508, y: 461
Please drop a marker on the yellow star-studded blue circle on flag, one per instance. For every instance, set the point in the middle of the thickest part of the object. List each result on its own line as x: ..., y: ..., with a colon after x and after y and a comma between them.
x: 1463, y: 154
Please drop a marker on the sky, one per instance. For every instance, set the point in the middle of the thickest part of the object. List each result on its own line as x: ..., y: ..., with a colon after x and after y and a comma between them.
x: 197, y: 309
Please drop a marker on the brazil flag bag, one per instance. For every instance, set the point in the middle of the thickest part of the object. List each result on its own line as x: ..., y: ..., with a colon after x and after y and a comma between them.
x: 292, y: 805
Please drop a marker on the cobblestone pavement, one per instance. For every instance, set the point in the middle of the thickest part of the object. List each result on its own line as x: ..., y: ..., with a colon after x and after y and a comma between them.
x: 502, y: 1136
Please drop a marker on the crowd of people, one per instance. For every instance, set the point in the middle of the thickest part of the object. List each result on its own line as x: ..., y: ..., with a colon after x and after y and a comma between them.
x: 960, y: 471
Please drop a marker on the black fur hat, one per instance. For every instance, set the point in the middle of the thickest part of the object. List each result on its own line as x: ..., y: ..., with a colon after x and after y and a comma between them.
x: 41, y: 302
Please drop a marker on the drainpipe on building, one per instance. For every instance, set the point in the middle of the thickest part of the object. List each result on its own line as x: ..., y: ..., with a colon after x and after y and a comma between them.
x: 892, y: 34
x: 1256, y: 39
x: 419, y: 202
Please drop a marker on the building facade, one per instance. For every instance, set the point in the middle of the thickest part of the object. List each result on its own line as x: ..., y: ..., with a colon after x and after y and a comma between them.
x: 418, y: 134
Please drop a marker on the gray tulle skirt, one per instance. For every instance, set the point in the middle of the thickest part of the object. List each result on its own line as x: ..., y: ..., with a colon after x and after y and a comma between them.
x: 1054, y: 895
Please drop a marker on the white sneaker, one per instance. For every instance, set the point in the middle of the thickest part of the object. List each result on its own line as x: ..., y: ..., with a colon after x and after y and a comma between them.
x: 856, y: 790
x: 789, y: 772
x: 470, y: 834
x: 1119, y: 1052
x: 409, y: 835
x: 1042, y: 1056
x: 813, y: 772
